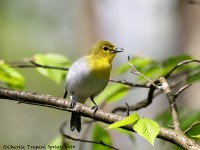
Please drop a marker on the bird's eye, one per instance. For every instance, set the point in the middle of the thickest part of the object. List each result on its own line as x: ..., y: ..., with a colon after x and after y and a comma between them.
x: 105, y: 48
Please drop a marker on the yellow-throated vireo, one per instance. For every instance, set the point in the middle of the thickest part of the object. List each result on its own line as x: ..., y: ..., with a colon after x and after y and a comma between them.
x: 88, y: 76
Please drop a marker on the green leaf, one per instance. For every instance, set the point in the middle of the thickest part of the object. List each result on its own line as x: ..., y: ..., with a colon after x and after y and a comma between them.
x: 99, y: 134
x: 147, y: 128
x: 127, y: 120
x: 56, y: 60
x: 196, y: 136
x: 11, y: 76
x: 112, y: 93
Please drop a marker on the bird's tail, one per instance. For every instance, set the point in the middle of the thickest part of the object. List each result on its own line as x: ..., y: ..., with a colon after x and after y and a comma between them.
x: 75, y: 122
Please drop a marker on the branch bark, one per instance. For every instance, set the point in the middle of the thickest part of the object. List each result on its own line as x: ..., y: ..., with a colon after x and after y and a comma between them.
x: 33, y: 98
x: 172, y: 104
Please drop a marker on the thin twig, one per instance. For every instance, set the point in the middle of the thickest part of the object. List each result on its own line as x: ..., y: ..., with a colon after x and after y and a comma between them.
x: 129, y: 83
x: 49, y: 67
x: 135, y: 71
x: 180, y: 64
x: 23, y: 66
x: 141, y: 104
x: 144, y: 103
x: 181, y: 90
x: 197, y: 122
x: 62, y: 131
x: 88, y: 141
x: 36, y: 65
x: 127, y: 108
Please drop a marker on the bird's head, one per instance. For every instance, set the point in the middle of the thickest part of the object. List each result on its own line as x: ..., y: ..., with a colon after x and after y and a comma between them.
x: 104, y: 49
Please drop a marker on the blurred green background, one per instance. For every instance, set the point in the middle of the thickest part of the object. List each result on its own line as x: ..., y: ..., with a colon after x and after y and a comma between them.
x: 155, y: 29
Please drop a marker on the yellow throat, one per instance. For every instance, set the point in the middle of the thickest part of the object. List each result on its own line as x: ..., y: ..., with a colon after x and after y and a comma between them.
x: 100, y: 58
x: 99, y: 66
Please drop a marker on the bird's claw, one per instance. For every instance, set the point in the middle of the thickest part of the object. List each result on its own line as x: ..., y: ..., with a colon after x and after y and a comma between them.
x: 95, y: 108
x: 72, y: 103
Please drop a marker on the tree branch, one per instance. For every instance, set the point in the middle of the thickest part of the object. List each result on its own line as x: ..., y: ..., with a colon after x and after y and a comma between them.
x: 139, y: 105
x: 181, y: 90
x: 146, y: 102
x: 172, y: 104
x: 135, y: 71
x: 180, y: 64
x: 124, y: 82
x: 62, y: 104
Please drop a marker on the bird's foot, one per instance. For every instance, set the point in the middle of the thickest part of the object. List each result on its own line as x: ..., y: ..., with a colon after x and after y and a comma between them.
x: 95, y: 108
x: 72, y: 102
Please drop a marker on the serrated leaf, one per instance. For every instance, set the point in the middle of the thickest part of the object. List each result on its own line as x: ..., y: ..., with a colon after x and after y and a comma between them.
x: 127, y: 120
x: 196, y: 136
x: 99, y: 134
x: 147, y: 128
x: 56, y: 60
x: 11, y: 76
x: 112, y: 93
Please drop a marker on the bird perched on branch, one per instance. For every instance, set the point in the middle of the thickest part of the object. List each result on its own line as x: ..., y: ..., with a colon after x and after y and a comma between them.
x: 88, y: 76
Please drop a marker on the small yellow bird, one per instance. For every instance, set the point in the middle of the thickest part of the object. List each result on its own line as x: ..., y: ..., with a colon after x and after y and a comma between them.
x: 88, y: 76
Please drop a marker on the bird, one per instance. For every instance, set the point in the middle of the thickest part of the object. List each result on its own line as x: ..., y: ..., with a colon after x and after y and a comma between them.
x: 88, y: 76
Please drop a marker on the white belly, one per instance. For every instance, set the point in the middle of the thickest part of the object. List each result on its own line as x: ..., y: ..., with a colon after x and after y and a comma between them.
x: 81, y: 84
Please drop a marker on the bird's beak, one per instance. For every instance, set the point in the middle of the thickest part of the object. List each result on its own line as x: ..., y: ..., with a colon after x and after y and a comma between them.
x: 117, y: 50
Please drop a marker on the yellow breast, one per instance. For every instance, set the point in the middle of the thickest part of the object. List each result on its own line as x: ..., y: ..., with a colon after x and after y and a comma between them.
x: 100, y: 67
